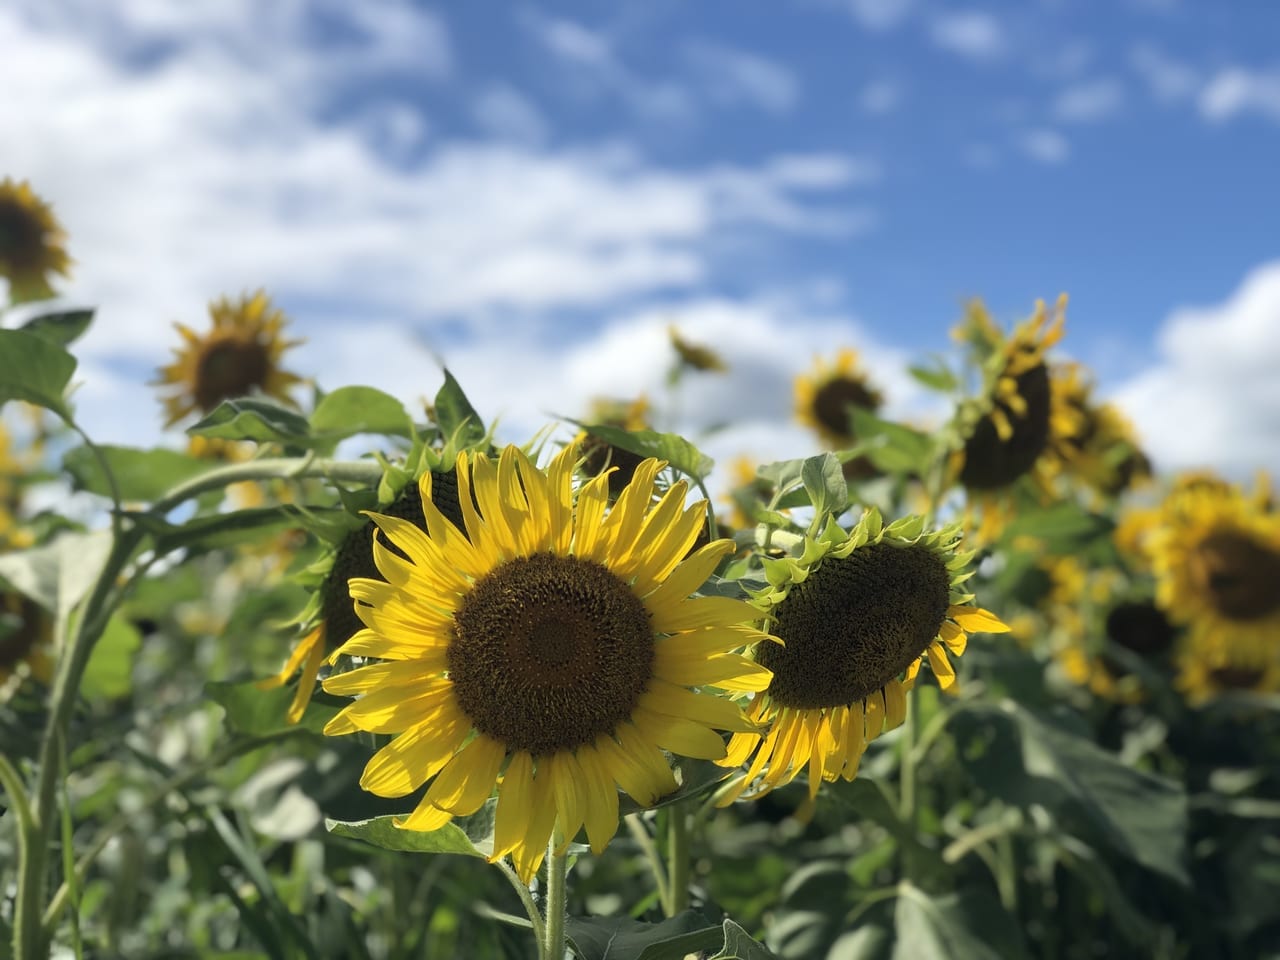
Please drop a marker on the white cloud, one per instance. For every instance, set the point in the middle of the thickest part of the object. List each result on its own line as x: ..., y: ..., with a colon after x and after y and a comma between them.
x: 880, y: 96
x: 1046, y: 146
x: 1089, y: 101
x: 573, y: 41
x: 1236, y: 90
x: 507, y: 114
x: 879, y: 14
x: 971, y: 34
x: 734, y: 77
x: 1213, y: 397
x: 1168, y: 79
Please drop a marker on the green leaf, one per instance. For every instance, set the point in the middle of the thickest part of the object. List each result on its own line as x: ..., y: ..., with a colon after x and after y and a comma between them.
x: 466, y: 836
x: 455, y: 414
x: 825, y: 483
x: 254, y: 418
x: 61, y: 328
x: 351, y: 410
x: 782, y: 475
x: 621, y: 938
x: 938, y: 377
x: 739, y: 945
x: 1065, y: 527
x: 35, y: 369
x: 970, y: 926
x: 254, y: 711
x: 144, y: 475
x: 891, y: 446
x: 58, y: 574
x: 239, y: 526
x: 109, y: 673
x: 672, y: 447
x: 1024, y: 761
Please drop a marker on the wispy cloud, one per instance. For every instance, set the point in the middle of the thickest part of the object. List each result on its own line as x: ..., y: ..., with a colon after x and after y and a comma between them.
x: 1090, y: 101
x: 1045, y: 145
x: 733, y: 77
x: 879, y: 14
x: 972, y: 34
x: 507, y: 114
x: 880, y: 97
x: 1236, y: 90
x: 1168, y: 78
x: 1212, y: 398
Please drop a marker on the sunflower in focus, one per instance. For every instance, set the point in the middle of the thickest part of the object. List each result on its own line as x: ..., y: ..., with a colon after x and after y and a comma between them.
x: 825, y: 397
x: 1216, y: 561
x: 32, y: 242
x: 239, y: 356
x: 1011, y: 432
x: 330, y: 620
x: 857, y: 614
x: 26, y: 638
x: 546, y: 647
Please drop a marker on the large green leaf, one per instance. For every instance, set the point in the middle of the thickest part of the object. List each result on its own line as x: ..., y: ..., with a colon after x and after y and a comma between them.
x: 35, y: 369
x: 673, y: 448
x: 109, y: 673
x: 739, y: 945
x: 891, y: 446
x: 351, y: 410
x: 62, y: 327
x: 139, y: 474
x: 255, y: 418
x: 455, y: 415
x: 824, y: 481
x: 466, y: 836
x: 1024, y: 761
x: 254, y: 711
x: 621, y: 938
x: 970, y: 926
x: 1063, y: 527
x: 58, y: 574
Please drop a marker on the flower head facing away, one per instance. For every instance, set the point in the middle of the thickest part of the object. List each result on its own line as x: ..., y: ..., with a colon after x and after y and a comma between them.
x: 32, y: 243
x: 857, y: 614
x: 545, y: 646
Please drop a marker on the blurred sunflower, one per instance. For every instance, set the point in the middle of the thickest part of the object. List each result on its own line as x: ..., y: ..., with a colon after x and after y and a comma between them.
x: 330, y: 620
x: 1216, y: 561
x: 239, y: 356
x: 857, y: 614
x: 598, y: 454
x: 1207, y: 670
x: 31, y: 242
x: 693, y: 356
x: 825, y: 397
x: 26, y: 638
x: 1098, y: 445
x: 544, y: 647
x: 1012, y: 430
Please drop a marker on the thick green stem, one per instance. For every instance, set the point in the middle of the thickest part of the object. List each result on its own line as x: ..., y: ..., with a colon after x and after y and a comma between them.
x: 526, y: 898
x: 557, y: 898
x: 678, y: 866
x: 907, y: 786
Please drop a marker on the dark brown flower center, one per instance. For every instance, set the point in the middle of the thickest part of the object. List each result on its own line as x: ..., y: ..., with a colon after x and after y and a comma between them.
x: 549, y: 652
x: 355, y: 554
x: 1140, y: 627
x: 855, y: 623
x: 598, y: 455
x: 20, y: 627
x: 832, y: 403
x: 22, y: 240
x: 991, y: 462
x: 1237, y: 678
x: 1240, y: 576
x: 230, y: 368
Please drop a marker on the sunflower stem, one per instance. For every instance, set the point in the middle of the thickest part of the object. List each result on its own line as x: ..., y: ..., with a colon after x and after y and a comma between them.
x: 640, y: 833
x: 557, y: 896
x: 526, y: 898
x: 678, y: 871
x: 907, y: 789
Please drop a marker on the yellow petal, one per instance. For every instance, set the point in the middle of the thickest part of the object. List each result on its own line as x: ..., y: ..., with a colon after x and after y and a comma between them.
x: 570, y: 797
x: 977, y: 620
x: 416, y: 755
x: 542, y: 817
x: 515, y: 805
x: 658, y: 779
x: 895, y: 705
x: 955, y: 639
x: 678, y: 735
x: 300, y: 653
x: 728, y: 671
x: 941, y: 666
x: 425, y: 818
x: 703, y: 612
x: 601, y: 794
x: 707, y: 709
x: 468, y: 780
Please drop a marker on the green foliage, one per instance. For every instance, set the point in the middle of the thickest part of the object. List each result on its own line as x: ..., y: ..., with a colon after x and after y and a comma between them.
x: 35, y: 369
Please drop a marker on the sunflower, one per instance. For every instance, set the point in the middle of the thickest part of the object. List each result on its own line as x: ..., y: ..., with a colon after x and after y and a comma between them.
x: 26, y: 637
x: 1216, y: 561
x: 1010, y: 432
x: 1098, y: 445
x: 240, y: 355
x: 332, y: 620
x: 857, y: 614
x: 825, y: 397
x: 1208, y: 670
x: 31, y: 242
x: 598, y: 454
x: 544, y: 647
x: 694, y: 356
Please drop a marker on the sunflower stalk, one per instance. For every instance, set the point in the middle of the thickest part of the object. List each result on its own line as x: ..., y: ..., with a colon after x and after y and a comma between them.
x: 908, y: 809
x: 678, y: 865
x: 553, y: 942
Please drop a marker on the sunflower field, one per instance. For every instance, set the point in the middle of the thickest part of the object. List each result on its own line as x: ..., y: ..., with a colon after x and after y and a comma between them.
x: 323, y: 675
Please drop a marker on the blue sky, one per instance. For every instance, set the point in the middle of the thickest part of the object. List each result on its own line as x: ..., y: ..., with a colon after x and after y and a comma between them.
x: 533, y: 192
